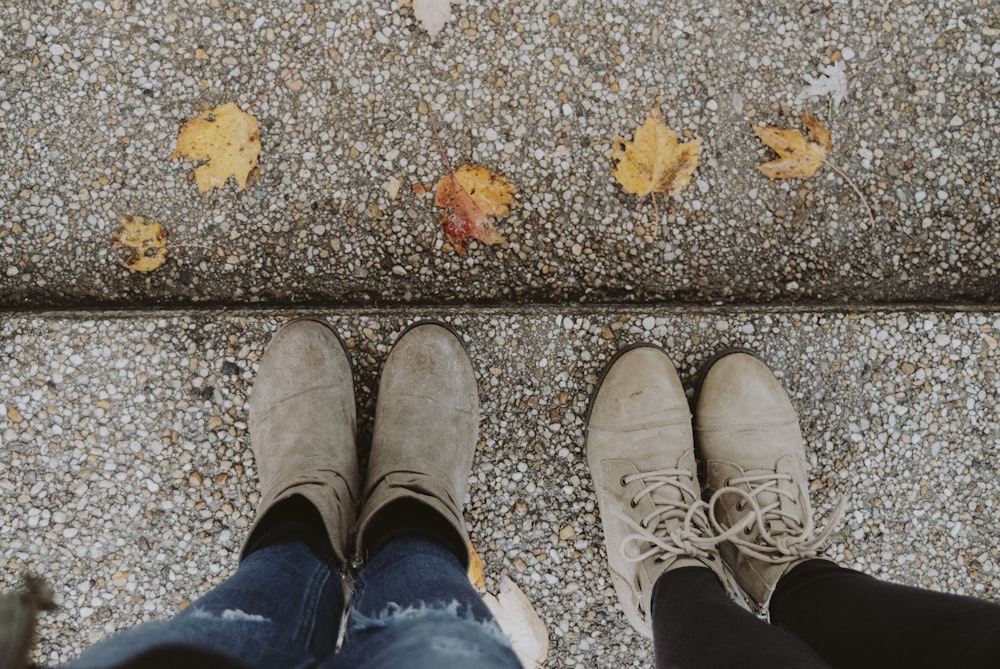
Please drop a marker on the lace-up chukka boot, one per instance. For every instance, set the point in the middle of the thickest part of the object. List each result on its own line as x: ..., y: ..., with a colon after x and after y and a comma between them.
x: 749, y: 440
x: 641, y: 456
x: 302, y: 428
x: 426, y: 428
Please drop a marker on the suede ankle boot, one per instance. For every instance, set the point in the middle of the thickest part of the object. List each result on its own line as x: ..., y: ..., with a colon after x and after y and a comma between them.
x: 749, y: 439
x: 641, y: 455
x: 426, y: 429
x: 302, y: 429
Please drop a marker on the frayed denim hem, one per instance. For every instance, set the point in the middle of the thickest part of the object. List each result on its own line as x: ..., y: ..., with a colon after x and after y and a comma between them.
x: 394, y: 613
x: 229, y: 614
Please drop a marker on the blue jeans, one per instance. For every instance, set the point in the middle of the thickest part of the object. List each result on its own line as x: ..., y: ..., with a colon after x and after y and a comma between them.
x: 413, y: 606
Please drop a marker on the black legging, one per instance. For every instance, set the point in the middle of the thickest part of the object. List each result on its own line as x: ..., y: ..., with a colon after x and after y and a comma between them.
x: 823, y: 616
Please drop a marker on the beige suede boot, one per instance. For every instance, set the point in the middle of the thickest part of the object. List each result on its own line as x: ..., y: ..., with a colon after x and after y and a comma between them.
x: 749, y: 439
x: 641, y: 455
x: 426, y: 429
x: 302, y: 428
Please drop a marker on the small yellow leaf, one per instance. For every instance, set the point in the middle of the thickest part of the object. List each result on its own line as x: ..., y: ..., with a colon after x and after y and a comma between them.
x: 798, y: 157
x: 476, y: 576
x: 148, y: 241
x: 654, y: 161
x: 228, y: 137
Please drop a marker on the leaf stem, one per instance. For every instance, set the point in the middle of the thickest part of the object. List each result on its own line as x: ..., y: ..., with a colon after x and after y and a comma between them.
x: 850, y: 182
x: 437, y: 136
x: 294, y: 66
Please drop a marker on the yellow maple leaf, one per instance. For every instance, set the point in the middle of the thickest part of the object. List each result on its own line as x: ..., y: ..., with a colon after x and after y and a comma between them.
x: 471, y: 194
x: 654, y: 161
x: 798, y: 157
x: 228, y: 137
x: 147, y: 239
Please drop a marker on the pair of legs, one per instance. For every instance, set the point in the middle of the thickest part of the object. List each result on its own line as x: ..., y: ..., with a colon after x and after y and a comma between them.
x: 412, y: 603
x: 702, y: 559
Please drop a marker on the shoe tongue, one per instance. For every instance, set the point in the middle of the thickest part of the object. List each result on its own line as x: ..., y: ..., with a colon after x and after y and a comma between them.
x: 778, y: 522
x: 672, y: 493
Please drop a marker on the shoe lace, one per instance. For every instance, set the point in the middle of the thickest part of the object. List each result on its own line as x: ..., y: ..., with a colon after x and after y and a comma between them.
x: 782, y: 536
x: 675, y: 527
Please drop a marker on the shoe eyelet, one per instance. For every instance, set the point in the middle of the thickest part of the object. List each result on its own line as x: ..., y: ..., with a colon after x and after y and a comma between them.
x: 740, y: 505
x: 632, y: 503
x: 726, y: 483
x: 748, y: 529
x: 622, y: 482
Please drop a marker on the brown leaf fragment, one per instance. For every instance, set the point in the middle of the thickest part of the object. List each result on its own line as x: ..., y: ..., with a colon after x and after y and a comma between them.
x: 148, y: 241
x: 228, y: 138
x: 798, y: 157
x: 471, y: 195
x: 654, y: 161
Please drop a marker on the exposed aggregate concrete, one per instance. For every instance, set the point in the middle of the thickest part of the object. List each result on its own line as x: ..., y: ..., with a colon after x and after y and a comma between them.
x: 127, y: 479
x: 92, y: 95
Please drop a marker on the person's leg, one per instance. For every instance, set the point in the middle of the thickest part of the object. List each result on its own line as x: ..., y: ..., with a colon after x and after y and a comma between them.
x: 413, y: 603
x: 413, y: 600
x: 661, y: 550
x: 696, y: 623
x: 854, y: 620
x: 282, y: 608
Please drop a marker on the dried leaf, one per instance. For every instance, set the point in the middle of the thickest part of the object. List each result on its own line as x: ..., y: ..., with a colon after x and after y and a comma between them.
x: 654, y: 162
x: 392, y: 186
x: 833, y: 81
x: 147, y: 239
x: 517, y: 618
x: 476, y: 577
x: 228, y: 137
x: 798, y: 157
x: 471, y: 195
x: 432, y: 14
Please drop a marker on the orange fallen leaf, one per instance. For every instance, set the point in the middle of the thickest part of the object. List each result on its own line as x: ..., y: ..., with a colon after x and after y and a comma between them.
x: 654, y: 161
x: 798, y: 157
x: 475, y: 573
x: 147, y: 239
x: 471, y: 194
x: 228, y: 137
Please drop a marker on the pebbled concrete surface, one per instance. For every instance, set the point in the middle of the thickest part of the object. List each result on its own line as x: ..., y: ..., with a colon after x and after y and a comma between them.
x: 125, y: 473
x: 92, y: 94
x: 127, y: 480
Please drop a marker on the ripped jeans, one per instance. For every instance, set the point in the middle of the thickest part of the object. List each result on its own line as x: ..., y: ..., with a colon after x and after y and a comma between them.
x: 413, y: 607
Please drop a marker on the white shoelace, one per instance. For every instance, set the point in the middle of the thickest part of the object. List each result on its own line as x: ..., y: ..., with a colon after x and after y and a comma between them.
x: 674, y: 528
x: 796, y: 536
